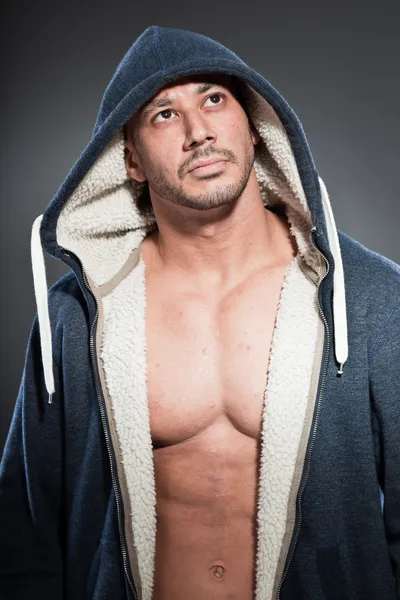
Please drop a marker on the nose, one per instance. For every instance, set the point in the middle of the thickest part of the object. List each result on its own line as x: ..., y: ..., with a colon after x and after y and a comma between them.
x: 198, y: 130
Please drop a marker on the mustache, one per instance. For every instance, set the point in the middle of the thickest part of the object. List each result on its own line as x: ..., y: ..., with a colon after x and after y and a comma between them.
x: 211, y: 153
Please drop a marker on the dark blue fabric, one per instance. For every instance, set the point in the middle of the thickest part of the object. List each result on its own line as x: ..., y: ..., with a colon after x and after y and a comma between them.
x: 57, y: 507
x: 58, y: 525
x: 160, y: 55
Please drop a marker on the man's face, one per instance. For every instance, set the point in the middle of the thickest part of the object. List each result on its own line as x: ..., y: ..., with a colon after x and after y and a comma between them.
x: 196, y: 118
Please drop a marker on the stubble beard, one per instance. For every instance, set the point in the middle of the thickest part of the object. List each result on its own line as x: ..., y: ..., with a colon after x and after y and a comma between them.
x: 220, y: 195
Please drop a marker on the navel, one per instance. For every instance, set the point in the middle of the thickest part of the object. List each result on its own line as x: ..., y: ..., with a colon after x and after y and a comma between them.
x: 218, y: 571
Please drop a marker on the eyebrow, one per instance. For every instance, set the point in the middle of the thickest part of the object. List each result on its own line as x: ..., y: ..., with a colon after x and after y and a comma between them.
x: 168, y: 101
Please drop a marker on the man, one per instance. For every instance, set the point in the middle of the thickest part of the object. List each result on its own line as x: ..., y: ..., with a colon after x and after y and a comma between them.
x: 220, y: 366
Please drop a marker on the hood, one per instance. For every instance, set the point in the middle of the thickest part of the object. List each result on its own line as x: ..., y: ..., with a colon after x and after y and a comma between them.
x: 98, y: 213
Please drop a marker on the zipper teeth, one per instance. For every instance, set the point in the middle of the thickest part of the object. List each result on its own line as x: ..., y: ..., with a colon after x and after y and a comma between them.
x: 103, y: 420
x: 325, y: 366
x: 122, y: 543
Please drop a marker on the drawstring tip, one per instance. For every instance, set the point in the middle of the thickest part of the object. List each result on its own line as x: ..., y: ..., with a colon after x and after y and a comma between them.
x: 340, y: 371
x: 50, y: 399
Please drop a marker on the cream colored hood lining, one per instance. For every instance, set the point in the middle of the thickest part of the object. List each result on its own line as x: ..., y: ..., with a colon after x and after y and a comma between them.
x: 103, y: 223
x: 288, y: 405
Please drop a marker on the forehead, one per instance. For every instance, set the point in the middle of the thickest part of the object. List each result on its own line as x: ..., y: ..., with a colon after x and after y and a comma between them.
x: 229, y: 82
x: 194, y: 84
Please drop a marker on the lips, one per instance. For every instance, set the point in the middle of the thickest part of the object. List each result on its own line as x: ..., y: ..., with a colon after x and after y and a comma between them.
x: 206, y: 163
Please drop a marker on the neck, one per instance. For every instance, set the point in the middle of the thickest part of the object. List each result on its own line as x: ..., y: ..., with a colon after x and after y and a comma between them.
x: 219, y: 247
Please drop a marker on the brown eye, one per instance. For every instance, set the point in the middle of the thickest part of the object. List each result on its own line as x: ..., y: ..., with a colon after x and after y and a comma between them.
x: 163, y: 112
x: 217, y: 95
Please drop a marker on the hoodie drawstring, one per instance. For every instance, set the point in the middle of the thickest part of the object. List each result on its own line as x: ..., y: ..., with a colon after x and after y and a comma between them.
x: 41, y: 294
x: 339, y: 292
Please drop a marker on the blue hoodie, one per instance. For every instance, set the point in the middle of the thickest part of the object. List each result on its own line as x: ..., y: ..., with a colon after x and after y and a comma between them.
x: 77, y: 485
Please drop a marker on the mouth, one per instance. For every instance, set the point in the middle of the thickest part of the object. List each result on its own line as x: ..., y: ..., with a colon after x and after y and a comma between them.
x: 209, y: 165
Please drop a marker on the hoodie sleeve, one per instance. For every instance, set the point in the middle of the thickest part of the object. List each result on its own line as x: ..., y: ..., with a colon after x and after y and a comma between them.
x: 31, y: 562
x: 385, y: 389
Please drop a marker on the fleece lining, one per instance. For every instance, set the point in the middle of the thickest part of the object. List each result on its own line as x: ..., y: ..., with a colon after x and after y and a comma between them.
x: 288, y: 406
x: 104, y: 222
x: 97, y: 220
x: 105, y: 219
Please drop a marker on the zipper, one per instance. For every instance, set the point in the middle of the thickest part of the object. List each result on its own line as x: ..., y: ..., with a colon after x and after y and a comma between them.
x: 319, y: 402
x: 107, y: 439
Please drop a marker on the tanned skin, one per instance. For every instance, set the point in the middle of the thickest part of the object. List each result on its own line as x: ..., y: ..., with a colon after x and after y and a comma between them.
x: 214, y: 271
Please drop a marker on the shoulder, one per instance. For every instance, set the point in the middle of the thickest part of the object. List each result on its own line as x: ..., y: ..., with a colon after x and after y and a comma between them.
x: 376, y: 270
x: 67, y: 304
x: 69, y: 322
x: 355, y: 251
x: 372, y: 282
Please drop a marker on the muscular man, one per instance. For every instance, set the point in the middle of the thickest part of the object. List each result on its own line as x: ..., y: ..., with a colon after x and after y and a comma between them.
x: 214, y: 270
x: 210, y: 401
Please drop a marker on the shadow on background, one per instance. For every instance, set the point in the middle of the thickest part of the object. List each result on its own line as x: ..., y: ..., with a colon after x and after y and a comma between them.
x: 335, y: 65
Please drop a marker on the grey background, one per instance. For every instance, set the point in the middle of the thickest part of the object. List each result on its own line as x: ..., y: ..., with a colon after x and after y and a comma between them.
x: 337, y: 64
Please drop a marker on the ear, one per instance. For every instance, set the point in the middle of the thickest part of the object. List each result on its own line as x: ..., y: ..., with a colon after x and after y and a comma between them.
x: 255, y: 136
x: 131, y: 157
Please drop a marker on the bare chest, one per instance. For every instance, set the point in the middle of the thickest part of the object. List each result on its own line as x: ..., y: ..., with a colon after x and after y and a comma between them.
x: 208, y: 359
